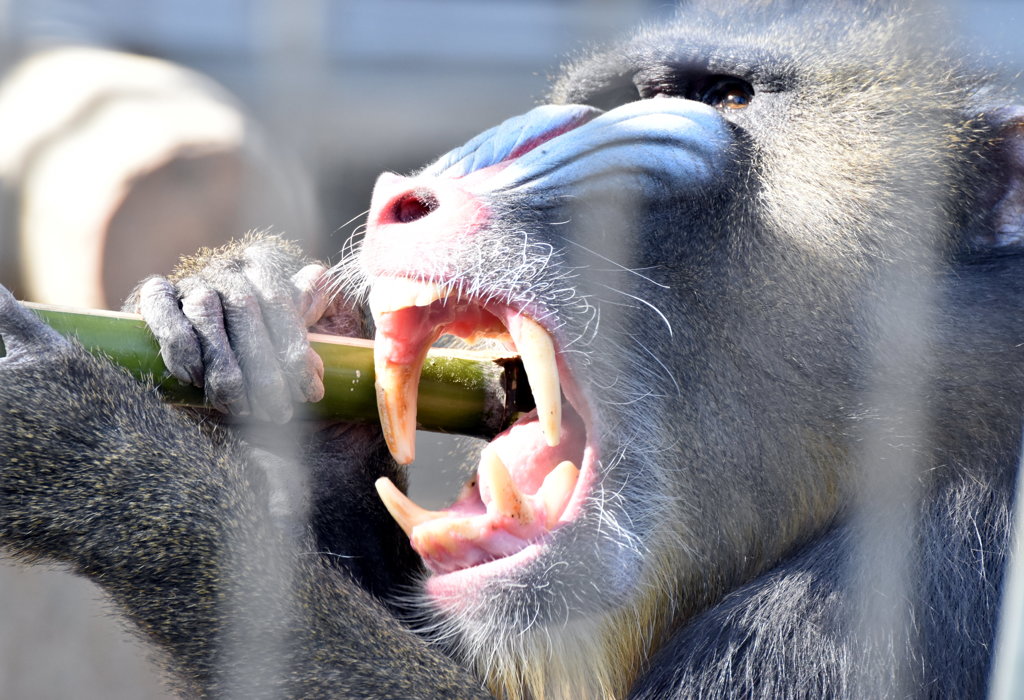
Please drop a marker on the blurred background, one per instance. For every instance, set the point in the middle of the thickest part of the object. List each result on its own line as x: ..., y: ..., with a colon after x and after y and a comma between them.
x: 258, y: 114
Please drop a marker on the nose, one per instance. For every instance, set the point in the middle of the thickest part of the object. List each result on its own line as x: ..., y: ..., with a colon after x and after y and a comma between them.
x: 410, y: 206
x: 401, y: 200
x: 422, y: 208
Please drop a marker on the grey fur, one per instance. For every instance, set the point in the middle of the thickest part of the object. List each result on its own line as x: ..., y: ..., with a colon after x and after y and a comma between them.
x: 176, y: 524
x: 803, y: 353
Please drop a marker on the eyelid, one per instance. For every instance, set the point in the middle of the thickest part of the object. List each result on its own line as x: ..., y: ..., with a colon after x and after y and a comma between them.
x: 646, y: 90
x: 693, y: 85
x: 649, y: 90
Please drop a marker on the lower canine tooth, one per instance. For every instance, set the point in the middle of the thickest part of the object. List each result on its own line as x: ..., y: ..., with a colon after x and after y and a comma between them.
x: 506, y: 498
x: 406, y: 513
x: 537, y: 349
x: 556, y: 490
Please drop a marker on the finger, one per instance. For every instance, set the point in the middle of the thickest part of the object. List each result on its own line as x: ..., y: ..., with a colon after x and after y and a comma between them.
x: 269, y: 395
x: 301, y: 367
x: 179, y: 345
x: 316, y: 392
x: 223, y: 378
x: 23, y: 332
x: 345, y: 317
x: 313, y: 299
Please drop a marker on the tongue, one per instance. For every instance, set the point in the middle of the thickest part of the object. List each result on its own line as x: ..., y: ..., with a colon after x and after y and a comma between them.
x: 524, y: 448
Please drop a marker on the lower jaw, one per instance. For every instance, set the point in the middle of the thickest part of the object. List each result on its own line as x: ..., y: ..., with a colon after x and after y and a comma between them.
x: 458, y: 590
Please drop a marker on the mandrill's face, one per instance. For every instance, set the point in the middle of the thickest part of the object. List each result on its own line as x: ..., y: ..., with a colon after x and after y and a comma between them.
x: 493, y: 241
x: 683, y: 258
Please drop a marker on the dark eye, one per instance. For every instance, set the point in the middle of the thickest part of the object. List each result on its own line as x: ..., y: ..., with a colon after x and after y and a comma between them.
x: 728, y: 93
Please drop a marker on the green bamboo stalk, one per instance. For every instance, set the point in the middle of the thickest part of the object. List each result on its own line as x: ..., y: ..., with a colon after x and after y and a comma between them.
x: 471, y: 393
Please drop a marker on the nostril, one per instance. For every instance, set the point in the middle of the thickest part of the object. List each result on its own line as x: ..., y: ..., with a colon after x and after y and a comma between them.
x: 414, y: 205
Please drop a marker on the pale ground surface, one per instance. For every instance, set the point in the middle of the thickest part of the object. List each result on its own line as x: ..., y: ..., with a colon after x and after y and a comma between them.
x: 87, y: 654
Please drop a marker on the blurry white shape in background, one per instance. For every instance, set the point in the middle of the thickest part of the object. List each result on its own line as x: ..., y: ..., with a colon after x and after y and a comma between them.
x: 113, y: 163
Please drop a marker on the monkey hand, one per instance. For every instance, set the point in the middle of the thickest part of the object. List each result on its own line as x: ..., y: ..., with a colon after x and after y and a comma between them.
x: 234, y: 321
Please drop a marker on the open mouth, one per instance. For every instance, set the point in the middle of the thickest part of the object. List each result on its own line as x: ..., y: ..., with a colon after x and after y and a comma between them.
x: 531, y: 478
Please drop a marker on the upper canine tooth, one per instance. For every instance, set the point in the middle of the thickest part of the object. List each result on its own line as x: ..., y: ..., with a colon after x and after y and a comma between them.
x: 537, y: 350
x: 394, y: 293
x: 397, y: 387
x: 398, y: 383
x: 556, y: 490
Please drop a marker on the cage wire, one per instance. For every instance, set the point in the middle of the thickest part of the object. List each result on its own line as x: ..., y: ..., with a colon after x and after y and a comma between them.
x: 347, y: 106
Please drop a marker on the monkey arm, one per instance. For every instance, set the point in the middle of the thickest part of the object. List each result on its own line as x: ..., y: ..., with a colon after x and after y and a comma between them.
x: 174, y: 524
x: 234, y: 321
